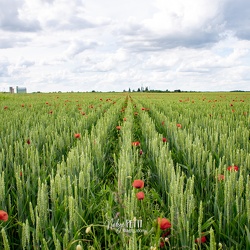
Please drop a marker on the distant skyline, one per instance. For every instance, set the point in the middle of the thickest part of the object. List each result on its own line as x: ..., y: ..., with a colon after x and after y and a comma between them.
x: 114, y: 45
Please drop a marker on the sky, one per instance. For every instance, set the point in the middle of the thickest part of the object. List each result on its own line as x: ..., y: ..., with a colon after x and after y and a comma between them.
x: 114, y: 45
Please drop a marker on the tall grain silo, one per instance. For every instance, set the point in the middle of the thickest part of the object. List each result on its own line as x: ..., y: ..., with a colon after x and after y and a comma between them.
x: 21, y: 90
x: 11, y: 90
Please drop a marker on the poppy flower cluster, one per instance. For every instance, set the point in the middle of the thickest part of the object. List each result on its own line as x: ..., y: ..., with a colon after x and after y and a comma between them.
x: 138, y: 184
x: 3, y: 215
x: 233, y: 168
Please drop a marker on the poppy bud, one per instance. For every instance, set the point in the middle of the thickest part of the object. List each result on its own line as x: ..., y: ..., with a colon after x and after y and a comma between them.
x: 88, y: 230
x: 79, y: 247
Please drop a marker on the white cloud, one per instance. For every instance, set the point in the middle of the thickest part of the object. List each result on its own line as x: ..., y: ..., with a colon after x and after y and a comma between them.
x: 78, y: 46
x: 12, y: 20
x: 190, y: 23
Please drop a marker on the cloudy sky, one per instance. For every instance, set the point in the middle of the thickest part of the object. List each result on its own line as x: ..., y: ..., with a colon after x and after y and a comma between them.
x: 114, y: 45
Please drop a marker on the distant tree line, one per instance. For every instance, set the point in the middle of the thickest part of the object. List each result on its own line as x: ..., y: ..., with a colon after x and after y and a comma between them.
x: 146, y: 89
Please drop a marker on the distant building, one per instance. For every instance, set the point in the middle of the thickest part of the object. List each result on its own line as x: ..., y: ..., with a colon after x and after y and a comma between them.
x: 21, y: 90
x: 11, y: 90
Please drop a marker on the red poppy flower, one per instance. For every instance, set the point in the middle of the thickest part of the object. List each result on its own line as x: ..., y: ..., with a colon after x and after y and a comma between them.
x: 5, y: 107
x: 164, y: 139
x: 136, y: 113
x: 118, y: 127
x: 142, y: 108
x: 77, y: 135
x: 221, y: 177
x: 178, y: 125
x: 28, y: 141
x: 140, y: 195
x: 141, y: 152
x: 200, y: 240
x: 138, y: 184
x: 3, y: 215
x: 164, y: 223
x: 162, y: 123
x: 22, y: 105
x: 136, y: 143
x: 124, y: 119
x: 233, y: 168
